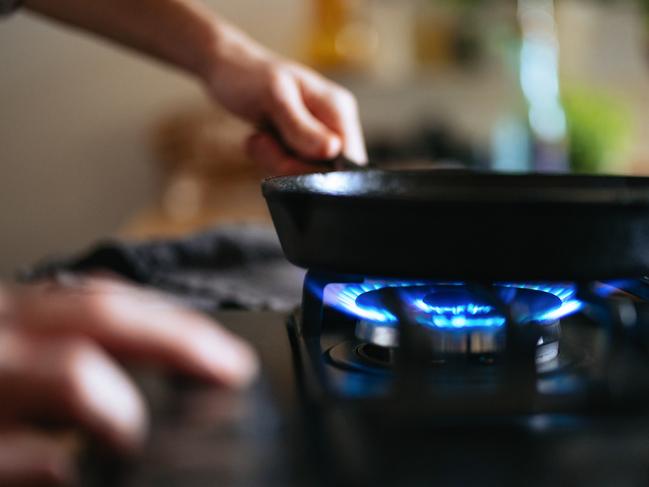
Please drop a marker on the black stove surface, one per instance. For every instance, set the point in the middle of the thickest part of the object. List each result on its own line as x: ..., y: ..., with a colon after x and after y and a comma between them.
x: 284, y: 431
x: 204, y: 436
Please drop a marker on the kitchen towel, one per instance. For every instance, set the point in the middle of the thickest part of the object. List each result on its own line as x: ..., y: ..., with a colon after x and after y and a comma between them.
x: 230, y: 267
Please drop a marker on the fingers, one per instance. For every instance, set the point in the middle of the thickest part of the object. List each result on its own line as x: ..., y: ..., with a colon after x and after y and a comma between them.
x: 69, y: 379
x: 337, y: 109
x: 54, y: 367
x: 31, y: 458
x: 300, y: 129
x: 273, y: 159
x: 316, y: 118
x: 138, y: 324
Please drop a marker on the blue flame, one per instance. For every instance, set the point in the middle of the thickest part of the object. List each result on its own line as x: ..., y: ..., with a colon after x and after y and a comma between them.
x: 344, y: 297
x: 444, y: 321
x: 566, y: 292
x: 460, y: 309
x: 458, y: 315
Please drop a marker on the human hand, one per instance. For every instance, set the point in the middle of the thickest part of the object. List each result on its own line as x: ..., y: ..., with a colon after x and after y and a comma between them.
x: 310, y: 117
x: 315, y: 118
x: 58, y: 352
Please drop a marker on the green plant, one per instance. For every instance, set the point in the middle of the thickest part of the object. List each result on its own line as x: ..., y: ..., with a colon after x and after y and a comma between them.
x: 599, y: 128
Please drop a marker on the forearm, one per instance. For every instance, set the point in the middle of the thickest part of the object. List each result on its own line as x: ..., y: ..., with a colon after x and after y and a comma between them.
x: 183, y: 33
x: 314, y: 118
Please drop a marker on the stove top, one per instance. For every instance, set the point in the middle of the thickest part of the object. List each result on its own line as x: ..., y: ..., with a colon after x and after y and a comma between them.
x: 441, y: 376
x: 391, y: 382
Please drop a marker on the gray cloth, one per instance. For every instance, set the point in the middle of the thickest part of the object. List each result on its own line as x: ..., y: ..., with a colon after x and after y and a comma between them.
x: 234, y: 267
x: 8, y: 6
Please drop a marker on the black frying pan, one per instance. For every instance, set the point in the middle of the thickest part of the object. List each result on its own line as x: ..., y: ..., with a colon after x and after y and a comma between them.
x: 461, y: 225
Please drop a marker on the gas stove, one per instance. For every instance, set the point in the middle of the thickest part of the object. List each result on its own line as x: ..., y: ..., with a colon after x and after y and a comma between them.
x: 415, y: 382
x: 366, y: 337
x: 496, y: 352
x: 410, y: 382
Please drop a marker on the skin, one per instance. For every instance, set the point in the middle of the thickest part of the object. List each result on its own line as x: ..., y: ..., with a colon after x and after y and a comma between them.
x: 311, y: 117
x: 61, y: 345
x: 60, y: 352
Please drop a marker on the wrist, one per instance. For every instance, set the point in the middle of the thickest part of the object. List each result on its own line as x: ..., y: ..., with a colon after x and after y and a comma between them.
x: 227, y: 49
x: 210, y: 53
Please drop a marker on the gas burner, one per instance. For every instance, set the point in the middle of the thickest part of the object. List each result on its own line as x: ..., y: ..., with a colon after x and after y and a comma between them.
x: 456, y: 318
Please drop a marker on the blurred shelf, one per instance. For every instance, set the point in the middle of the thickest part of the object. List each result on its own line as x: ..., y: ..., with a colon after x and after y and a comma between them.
x: 238, y: 202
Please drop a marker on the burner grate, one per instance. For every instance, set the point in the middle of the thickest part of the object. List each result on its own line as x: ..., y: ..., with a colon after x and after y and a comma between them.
x: 533, y: 362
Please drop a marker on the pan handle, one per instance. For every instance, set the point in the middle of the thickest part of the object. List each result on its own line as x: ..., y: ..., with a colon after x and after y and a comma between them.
x: 339, y: 163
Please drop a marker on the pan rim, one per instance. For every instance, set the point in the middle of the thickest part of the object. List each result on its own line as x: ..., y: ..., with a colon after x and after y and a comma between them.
x: 464, y: 187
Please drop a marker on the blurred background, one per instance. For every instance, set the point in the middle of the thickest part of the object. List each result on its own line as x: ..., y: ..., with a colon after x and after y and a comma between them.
x: 96, y: 142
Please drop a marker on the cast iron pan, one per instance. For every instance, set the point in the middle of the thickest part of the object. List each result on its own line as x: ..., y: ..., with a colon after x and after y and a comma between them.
x: 463, y: 226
